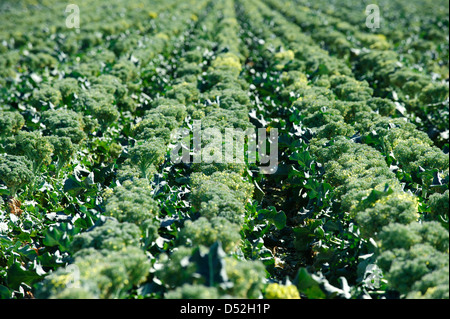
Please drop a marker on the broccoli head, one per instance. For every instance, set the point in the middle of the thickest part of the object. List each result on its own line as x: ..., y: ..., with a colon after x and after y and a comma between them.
x: 10, y: 123
x: 64, y: 150
x: 206, y: 232
x: 432, y: 286
x: 144, y: 154
x: 406, y: 269
x: 98, y: 103
x: 396, y: 207
x: 211, y: 199
x: 133, y: 202
x: 64, y: 123
x: 439, y: 204
x: 68, y: 88
x: 414, y: 154
x: 160, y: 121
x: 111, y: 235
x: 177, y: 269
x: 349, y: 89
x: 15, y: 172
x: 110, y: 84
x: 242, y: 189
x: 395, y: 236
x: 192, y: 266
x: 184, y: 93
x: 277, y: 291
x: 33, y: 145
x: 247, y: 276
x: 46, y: 97
x: 99, y: 274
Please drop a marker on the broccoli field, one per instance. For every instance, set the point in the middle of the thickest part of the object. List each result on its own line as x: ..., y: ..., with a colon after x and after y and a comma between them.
x: 224, y: 149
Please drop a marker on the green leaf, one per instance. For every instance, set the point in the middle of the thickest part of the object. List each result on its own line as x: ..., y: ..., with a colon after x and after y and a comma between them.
x: 27, y: 252
x: 259, y: 193
x: 211, y: 265
x: 5, y: 293
x: 50, y: 260
x: 304, y: 159
x: 280, y: 220
x: 277, y: 218
x: 87, y: 219
x: 5, y: 241
x: 308, y: 285
x: 302, y: 238
x: 60, y: 236
x: 72, y: 186
x: 18, y: 275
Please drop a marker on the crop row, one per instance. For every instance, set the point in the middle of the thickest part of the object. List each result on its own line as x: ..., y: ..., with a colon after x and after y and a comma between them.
x: 421, y: 40
x: 103, y: 95
x: 94, y: 205
x: 421, y: 96
x: 206, y: 262
x: 362, y: 183
x: 109, y: 256
x: 401, y: 143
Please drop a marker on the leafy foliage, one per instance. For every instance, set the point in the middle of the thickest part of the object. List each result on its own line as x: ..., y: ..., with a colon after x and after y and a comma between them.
x: 92, y: 206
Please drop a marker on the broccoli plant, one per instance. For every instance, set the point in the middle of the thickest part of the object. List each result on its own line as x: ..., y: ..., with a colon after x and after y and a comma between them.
x: 419, y: 271
x: 33, y: 145
x: 127, y: 72
x: 64, y: 123
x: 98, y: 103
x: 102, y: 274
x: 46, y: 97
x: 10, y: 123
x: 349, y: 89
x: 64, y: 150
x: 112, y: 235
x: 68, y: 88
x: 133, y: 203
x: 40, y: 61
x: 439, y: 204
x: 206, y: 232
x: 242, y: 189
x: 110, y: 84
x: 210, y: 267
x: 247, y: 277
x: 160, y: 121
x: 106, y: 114
x: 147, y: 153
x: 15, y: 172
x: 184, y: 93
x: 211, y: 199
